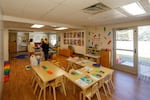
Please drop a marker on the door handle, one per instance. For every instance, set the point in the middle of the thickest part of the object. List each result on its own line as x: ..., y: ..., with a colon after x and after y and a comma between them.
x: 134, y: 50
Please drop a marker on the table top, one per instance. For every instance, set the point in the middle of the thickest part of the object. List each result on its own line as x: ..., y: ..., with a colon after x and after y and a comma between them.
x: 47, y: 71
x: 88, y: 72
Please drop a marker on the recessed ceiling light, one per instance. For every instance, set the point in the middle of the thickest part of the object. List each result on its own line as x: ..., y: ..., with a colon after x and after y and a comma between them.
x: 37, y: 26
x: 61, y: 28
x: 134, y: 9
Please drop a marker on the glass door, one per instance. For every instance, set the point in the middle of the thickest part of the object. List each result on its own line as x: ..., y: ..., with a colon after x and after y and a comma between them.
x: 144, y: 52
x: 125, y: 50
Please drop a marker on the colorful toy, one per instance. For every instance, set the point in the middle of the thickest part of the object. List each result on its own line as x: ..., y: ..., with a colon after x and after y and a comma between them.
x: 6, y: 71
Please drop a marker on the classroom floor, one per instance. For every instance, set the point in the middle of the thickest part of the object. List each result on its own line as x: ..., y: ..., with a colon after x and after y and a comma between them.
x: 127, y: 86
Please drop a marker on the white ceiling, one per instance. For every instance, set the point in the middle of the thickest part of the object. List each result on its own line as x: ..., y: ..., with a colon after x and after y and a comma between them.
x: 67, y: 12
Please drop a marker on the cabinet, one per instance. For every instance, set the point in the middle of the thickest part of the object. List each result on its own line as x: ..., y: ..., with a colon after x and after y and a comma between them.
x: 105, y: 58
x: 65, y: 52
x: 93, y: 51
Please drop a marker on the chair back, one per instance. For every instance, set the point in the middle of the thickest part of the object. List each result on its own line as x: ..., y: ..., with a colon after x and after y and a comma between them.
x: 39, y: 81
x: 95, y: 90
x: 58, y: 81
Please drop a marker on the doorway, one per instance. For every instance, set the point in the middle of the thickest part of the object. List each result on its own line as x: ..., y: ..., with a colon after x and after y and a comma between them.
x: 132, y: 50
x: 125, y: 53
x: 144, y: 51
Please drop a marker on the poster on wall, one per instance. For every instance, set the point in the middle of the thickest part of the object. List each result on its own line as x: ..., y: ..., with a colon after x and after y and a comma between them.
x: 75, y: 42
x: 70, y: 35
x: 82, y: 42
x: 82, y: 34
x: 64, y: 35
x: 74, y: 38
x: 74, y: 35
x: 79, y: 42
x: 78, y: 34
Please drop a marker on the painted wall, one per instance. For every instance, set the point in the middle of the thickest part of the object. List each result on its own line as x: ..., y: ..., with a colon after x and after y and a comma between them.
x: 37, y: 36
x: 6, y: 44
x: 1, y: 55
x: 106, y: 33
x: 98, y: 37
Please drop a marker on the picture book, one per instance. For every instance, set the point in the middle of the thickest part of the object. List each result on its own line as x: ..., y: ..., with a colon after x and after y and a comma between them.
x: 87, y: 79
x: 84, y: 81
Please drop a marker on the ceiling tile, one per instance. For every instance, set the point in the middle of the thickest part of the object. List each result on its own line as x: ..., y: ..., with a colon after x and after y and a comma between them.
x: 13, y: 7
x: 37, y: 9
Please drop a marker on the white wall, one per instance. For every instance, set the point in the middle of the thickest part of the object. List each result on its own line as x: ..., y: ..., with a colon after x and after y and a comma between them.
x: 105, y: 38
x: 1, y: 55
x: 37, y: 36
x: 6, y: 44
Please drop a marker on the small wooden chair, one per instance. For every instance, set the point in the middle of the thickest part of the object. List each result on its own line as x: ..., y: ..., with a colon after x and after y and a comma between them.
x: 109, y: 83
x: 57, y: 83
x: 101, y: 84
x: 91, y: 92
x: 40, y: 84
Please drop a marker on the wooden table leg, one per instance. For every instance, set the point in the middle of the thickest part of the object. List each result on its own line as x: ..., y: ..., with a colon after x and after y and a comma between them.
x: 84, y: 92
x: 44, y: 90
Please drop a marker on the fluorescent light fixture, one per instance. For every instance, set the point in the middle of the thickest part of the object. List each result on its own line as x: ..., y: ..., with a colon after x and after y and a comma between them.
x: 134, y: 9
x: 37, y: 26
x: 61, y: 28
x: 149, y: 1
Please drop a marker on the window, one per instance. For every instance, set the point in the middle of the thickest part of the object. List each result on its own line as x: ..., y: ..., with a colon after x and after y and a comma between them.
x: 53, y: 39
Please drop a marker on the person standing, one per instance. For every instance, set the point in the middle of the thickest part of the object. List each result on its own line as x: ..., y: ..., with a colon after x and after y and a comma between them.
x: 31, y: 47
x: 41, y: 49
x: 45, y: 47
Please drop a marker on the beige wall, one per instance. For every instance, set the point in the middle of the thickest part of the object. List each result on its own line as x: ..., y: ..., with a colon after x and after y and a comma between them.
x: 109, y: 28
x: 1, y: 55
x: 98, y: 29
x: 6, y: 44
x: 106, y: 35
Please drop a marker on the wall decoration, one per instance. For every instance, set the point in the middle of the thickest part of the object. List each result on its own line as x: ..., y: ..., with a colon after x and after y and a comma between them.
x: 74, y: 35
x: 64, y: 41
x: 70, y: 35
x: 74, y: 38
x: 109, y: 33
x: 79, y: 34
x: 64, y: 35
x: 82, y: 34
x: 82, y: 42
x: 109, y: 42
x: 75, y: 42
x: 104, y: 29
x: 97, y: 40
x: 79, y: 42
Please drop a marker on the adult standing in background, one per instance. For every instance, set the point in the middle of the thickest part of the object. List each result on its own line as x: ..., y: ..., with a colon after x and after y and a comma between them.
x: 31, y: 47
x: 45, y: 47
x: 41, y: 49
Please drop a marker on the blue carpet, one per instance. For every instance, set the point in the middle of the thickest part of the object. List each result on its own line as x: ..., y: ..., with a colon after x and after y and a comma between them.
x: 22, y: 56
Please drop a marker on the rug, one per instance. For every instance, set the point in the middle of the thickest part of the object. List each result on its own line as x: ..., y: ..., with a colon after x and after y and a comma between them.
x: 21, y: 56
